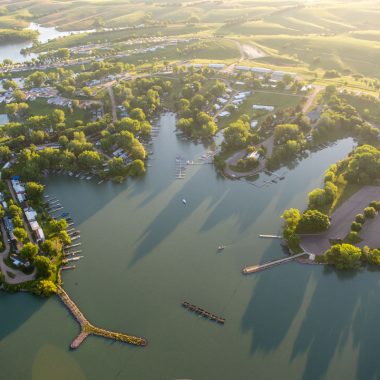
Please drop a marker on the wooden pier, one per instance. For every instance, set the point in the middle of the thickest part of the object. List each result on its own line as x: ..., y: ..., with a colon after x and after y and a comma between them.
x: 270, y: 264
x: 88, y: 329
x: 202, y: 312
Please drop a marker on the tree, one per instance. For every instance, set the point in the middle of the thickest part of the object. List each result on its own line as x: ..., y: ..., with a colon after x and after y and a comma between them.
x: 44, y: 266
x: 313, y: 221
x: 9, y: 84
x: 37, y: 137
x: 64, y: 237
x: 5, y: 153
x: 137, y: 150
x: 317, y: 198
x: 355, y: 226
x: 17, y: 221
x: 344, y: 256
x: 29, y: 251
x: 14, y: 210
x: 63, y: 141
x: 291, y: 218
x: 34, y: 191
x: 197, y: 102
x: 218, y: 89
x: 37, y: 79
x: 117, y: 167
x: 20, y: 234
x: 137, y: 114
x: 136, y: 168
x: 371, y: 256
x: 331, y: 192
x: 375, y: 205
x: 57, y: 225
x: 19, y: 96
x: 285, y: 132
x: 236, y: 135
x: 359, y: 218
x: 57, y: 117
x: 89, y: 159
x: 369, y: 212
x: 51, y: 248
x: 46, y: 288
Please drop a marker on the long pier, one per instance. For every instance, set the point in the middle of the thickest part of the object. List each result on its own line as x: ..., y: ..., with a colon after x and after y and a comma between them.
x: 88, y: 329
x: 202, y: 312
x: 270, y: 264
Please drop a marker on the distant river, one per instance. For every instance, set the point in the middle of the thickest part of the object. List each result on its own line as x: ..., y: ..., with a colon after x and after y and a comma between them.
x: 12, y: 51
x: 145, y: 252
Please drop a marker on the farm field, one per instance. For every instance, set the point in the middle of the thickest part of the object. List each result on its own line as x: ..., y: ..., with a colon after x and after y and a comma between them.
x: 314, y: 36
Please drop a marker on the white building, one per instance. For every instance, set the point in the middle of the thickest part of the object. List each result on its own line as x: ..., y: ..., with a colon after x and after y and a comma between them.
x: 261, y: 107
x: 216, y: 65
x: 261, y: 70
x: 254, y: 124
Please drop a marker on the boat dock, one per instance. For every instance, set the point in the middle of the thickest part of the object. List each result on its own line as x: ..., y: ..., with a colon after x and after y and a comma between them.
x: 270, y: 264
x: 66, y: 267
x: 180, y: 168
x: 270, y: 236
x: 88, y: 329
x: 72, y: 245
x: 202, y: 312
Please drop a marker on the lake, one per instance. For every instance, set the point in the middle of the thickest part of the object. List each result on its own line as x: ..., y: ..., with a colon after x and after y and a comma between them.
x: 145, y: 251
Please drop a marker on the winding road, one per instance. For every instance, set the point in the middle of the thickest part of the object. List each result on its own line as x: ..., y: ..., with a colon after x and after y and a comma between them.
x: 12, y: 276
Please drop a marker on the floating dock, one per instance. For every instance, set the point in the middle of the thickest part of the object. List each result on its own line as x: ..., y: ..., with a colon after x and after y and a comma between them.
x: 202, y: 312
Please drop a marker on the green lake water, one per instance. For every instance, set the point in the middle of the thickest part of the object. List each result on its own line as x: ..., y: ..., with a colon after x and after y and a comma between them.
x: 145, y: 252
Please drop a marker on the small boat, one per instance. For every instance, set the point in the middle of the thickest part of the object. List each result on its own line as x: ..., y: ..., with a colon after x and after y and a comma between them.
x: 221, y: 247
x: 184, y: 201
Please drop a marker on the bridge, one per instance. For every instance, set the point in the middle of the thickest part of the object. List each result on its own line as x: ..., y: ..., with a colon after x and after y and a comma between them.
x: 88, y: 329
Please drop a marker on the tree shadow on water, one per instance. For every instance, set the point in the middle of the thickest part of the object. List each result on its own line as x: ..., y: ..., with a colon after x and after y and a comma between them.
x: 175, y: 213
x: 16, y: 309
x: 328, y: 320
x: 277, y: 297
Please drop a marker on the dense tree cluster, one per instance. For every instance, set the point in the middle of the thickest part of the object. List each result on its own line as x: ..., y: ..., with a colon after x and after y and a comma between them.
x: 313, y: 221
x: 238, y: 135
x: 341, y: 117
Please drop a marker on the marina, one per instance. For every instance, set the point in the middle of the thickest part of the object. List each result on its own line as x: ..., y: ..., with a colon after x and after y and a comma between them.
x: 145, y: 252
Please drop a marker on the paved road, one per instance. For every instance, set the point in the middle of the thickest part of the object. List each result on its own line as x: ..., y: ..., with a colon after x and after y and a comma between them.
x: 341, y: 221
x: 113, y: 103
x: 311, y: 98
x: 231, y: 161
x: 17, y: 277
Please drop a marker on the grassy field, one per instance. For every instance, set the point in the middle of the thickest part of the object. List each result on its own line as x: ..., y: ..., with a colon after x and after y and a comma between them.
x: 311, y: 36
x: 267, y: 98
x: 41, y: 107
